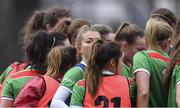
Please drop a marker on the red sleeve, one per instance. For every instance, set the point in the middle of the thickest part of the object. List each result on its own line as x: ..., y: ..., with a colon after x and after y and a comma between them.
x: 31, y: 93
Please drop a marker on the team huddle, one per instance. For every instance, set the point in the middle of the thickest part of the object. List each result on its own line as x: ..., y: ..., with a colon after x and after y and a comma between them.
x: 71, y: 63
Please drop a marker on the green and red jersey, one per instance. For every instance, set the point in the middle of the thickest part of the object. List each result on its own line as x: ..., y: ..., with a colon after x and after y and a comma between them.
x: 5, y: 73
x: 174, y: 81
x: 11, y: 69
x: 128, y: 72
x: 153, y: 63
x: 16, y: 81
x: 73, y: 75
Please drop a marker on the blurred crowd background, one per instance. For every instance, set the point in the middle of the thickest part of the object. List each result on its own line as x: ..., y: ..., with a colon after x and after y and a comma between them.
x: 15, y: 13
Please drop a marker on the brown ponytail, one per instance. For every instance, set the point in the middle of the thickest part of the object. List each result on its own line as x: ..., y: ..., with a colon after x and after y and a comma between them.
x: 101, y: 53
x: 94, y: 72
x: 34, y: 24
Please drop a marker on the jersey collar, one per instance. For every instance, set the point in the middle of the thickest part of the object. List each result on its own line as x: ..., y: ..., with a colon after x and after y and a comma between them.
x: 82, y: 62
x: 105, y: 72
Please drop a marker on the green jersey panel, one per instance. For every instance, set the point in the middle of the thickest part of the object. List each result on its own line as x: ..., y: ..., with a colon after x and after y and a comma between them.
x: 78, y: 94
x: 71, y: 77
x: 154, y: 63
x: 13, y: 86
x: 5, y: 73
x: 126, y: 71
x: 175, y: 78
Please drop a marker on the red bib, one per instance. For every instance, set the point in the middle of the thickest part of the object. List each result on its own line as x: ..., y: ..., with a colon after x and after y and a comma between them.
x: 112, y: 92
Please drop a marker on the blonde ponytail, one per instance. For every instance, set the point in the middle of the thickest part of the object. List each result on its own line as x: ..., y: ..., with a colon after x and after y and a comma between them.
x: 54, y: 62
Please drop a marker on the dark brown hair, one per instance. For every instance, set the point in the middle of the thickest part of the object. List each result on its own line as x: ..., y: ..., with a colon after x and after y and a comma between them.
x: 177, y: 32
x: 128, y: 32
x: 73, y: 29
x: 54, y: 13
x: 104, y: 30
x: 60, y: 38
x: 174, y: 58
x: 164, y: 14
x: 35, y: 23
x: 39, y: 47
x: 175, y: 55
x: 101, y: 53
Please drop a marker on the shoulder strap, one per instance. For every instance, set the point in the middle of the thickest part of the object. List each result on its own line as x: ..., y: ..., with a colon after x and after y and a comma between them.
x: 49, y: 92
x: 24, y: 73
x: 17, y: 66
